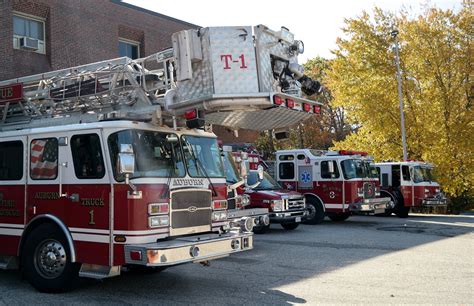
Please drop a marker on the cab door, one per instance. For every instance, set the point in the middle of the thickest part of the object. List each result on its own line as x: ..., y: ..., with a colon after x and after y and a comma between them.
x: 331, y: 186
x: 407, y: 186
x: 12, y: 192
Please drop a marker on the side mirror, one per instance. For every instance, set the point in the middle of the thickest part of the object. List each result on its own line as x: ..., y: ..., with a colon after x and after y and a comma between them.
x: 126, y: 159
x: 260, y: 172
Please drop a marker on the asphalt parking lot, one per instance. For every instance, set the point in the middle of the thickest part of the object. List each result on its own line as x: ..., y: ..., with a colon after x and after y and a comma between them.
x: 369, y: 260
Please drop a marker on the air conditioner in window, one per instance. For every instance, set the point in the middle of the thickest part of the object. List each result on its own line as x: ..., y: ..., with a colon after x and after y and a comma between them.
x: 29, y: 43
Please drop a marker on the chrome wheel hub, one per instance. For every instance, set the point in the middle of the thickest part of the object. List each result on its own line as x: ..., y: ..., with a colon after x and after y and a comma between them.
x: 50, y: 259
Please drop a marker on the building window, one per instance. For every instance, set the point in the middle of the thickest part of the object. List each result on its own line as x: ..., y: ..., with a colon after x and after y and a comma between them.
x: 28, y: 34
x: 129, y: 48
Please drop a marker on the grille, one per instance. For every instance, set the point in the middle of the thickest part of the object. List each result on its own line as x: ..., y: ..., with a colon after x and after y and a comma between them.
x: 369, y: 190
x: 190, y: 211
x: 296, y: 203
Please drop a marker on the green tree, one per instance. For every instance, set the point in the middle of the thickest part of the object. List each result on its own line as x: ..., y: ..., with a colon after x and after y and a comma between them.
x: 437, y: 77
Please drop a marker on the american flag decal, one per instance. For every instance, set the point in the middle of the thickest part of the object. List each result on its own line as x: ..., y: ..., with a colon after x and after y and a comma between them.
x: 44, y: 158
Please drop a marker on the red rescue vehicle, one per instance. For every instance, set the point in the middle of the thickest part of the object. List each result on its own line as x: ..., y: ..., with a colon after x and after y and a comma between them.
x: 335, y: 183
x: 109, y: 165
x: 410, y: 185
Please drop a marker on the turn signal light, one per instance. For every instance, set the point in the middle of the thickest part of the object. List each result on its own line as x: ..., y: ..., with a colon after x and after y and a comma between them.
x: 219, y: 204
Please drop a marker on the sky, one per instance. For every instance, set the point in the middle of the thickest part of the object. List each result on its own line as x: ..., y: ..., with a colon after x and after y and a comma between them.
x: 318, y: 23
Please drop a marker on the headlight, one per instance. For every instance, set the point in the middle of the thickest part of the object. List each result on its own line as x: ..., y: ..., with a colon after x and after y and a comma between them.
x: 219, y: 216
x: 427, y: 190
x: 245, y: 200
x: 437, y: 190
x: 277, y: 205
x: 157, y: 221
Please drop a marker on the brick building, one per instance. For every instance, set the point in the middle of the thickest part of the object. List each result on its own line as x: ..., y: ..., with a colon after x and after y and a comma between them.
x: 53, y: 34
x: 48, y: 35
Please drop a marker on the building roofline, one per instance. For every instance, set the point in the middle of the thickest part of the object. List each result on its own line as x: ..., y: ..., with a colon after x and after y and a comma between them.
x: 143, y: 10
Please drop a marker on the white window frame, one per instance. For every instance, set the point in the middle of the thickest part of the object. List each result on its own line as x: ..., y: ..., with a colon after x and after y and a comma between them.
x: 131, y: 42
x: 41, y: 43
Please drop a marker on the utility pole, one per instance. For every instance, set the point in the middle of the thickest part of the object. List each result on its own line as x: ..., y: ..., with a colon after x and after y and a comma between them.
x: 394, y: 34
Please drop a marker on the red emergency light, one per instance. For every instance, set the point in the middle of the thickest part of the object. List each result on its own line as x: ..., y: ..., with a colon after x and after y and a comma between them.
x: 306, y: 107
x: 194, y: 118
x: 317, y: 109
x: 191, y: 114
x: 290, y: 103
x: 277, y: 100
x: 350, y: 152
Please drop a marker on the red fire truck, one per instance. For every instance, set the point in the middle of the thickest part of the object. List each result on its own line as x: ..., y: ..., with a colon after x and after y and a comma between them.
x: 287, y: 208
x: 237, y: 202
x: 409, y: 185
x: 109, y: 165
x: 335, y: 183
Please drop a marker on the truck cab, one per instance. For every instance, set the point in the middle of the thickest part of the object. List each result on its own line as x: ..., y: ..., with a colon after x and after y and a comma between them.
x: 287, y: 208
x: 410, y: 185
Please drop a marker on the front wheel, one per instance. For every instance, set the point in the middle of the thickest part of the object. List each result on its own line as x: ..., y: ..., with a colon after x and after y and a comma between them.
x: 46, y: 261
x: 339, y: 217
x: 261, y: 229
x: 290, y: 226
x: 315, y: 211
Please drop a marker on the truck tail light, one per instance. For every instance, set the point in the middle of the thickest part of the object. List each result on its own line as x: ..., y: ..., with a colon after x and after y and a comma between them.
x: 219, y: 204
x: 277, y: 100
x: 158, y: 208
x: 290, y: 103
x: 317, y: 109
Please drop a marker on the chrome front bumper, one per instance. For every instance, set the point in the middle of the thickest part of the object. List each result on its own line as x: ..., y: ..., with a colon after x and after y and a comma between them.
x: 290, y: 216
x: 188, y: 249
x: 258, y: 215
x: 375, y: 205
x: 437, y: 201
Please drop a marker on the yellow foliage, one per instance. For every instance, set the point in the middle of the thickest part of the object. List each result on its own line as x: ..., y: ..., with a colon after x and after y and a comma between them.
x: 438, y: 90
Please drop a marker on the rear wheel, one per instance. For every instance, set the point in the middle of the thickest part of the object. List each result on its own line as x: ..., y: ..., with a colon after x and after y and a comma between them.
x: 315, y: 211
x: 339, y: 217
x: 46, y: 260
x: 290, y: 226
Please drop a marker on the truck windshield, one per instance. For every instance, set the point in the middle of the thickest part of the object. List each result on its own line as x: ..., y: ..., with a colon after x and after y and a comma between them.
x: 268, y: 183
x: 232, y: 174
x: 422, y: 174
x: 202, y: 156
x: 155, y: 155
x: 355, y: 168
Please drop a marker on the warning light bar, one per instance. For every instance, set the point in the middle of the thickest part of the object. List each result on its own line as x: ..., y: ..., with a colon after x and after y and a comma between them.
x: 350, y: 152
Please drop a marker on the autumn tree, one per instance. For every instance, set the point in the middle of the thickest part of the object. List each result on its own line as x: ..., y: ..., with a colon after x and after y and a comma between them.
x: 437, y: 81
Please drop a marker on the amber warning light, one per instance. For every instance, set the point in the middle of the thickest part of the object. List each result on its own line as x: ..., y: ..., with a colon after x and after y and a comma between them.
x: 11, y: 93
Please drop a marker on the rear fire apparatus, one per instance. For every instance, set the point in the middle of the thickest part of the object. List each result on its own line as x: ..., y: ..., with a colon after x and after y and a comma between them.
x: 335, y: 183
x: 98, y: 171
x: 409, y: 185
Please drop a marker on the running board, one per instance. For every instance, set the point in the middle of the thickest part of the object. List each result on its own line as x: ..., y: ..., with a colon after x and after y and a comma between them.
x: 8, y: 262
x: 98, y: 272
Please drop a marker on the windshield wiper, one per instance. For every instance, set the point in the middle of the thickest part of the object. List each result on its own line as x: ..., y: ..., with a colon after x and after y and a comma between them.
x: 198, y: 163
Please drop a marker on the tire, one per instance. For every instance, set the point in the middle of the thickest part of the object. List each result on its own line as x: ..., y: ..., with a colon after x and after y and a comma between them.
x: 261, y: 229
x: 46, y: 261
x: 402, y: 212
x: 290, y: 226
x: 339, y: 217
x: 316, y: 211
